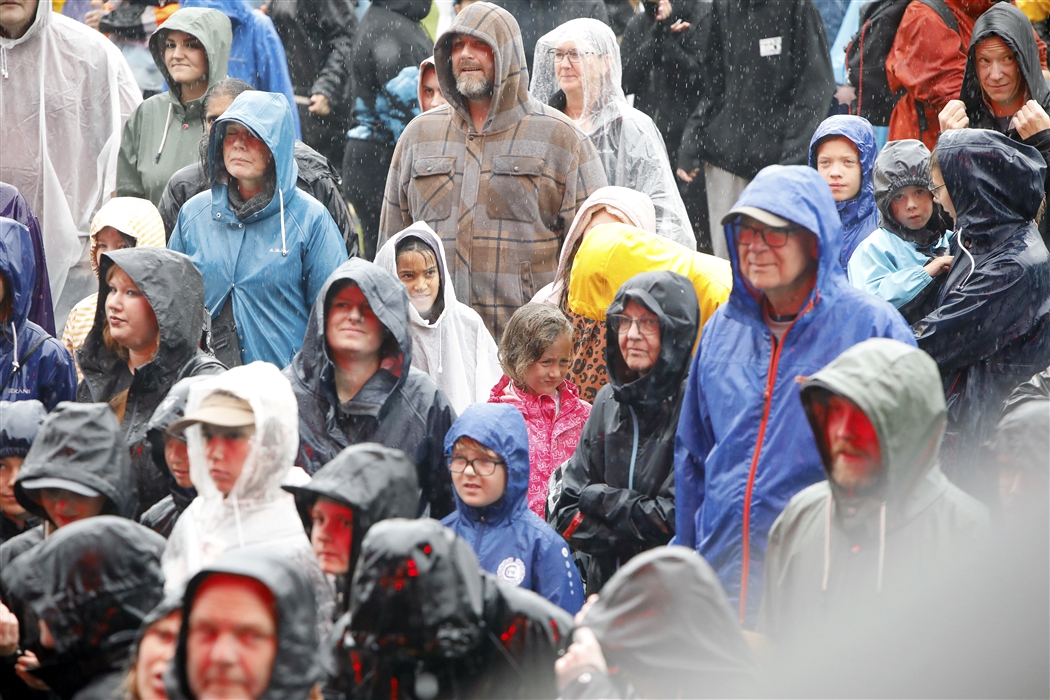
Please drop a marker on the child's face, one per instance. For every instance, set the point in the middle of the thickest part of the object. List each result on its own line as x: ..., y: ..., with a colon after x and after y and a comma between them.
x: 912, y: 206
x: 546, y: 374
x: 419, y: 274
x: 474, y: 488
x: 107, y: 240
x: 838, y: 161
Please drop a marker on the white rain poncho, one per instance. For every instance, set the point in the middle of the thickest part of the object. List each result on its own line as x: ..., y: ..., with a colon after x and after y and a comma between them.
x: 63, y: 158
x: 456, y: 350
x: 631, y: 148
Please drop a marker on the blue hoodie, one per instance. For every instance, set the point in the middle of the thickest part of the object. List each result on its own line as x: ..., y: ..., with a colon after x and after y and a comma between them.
x: 859, y: 215
x: 276, y: 260
x: 742, y: 393
x: 510, y: 540
x: 48, y: 375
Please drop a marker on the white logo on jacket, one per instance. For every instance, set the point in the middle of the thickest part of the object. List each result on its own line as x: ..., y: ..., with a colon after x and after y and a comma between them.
x: 511, y: 570
x: 769, y: 47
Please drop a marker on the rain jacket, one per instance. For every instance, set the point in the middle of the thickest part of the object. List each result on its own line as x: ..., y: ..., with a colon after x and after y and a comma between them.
x: 14, y: 206
x: 63, y: 159
x: 98, y: 578
x: 162, y: 133
x: 375, y: 482
x: 831, y: 551
x: 991, y: 328
x: 397, y: 407
x: 743, y: 448
x: 502, y: 199
x: 664, y: 622
x: 859, y: 215
x: 456, y: 349
x: 47, y: 374
x: 630, y: 146
x: 294, y: 669
x: 318, y: 39
x: 617, y: 494
x: 473, y: 634
x: 19, y: 423
x: 271, y: 265
x: 537, y: 17
x: 175, y: 291
x: 511, y: 541
x: 257, y: 55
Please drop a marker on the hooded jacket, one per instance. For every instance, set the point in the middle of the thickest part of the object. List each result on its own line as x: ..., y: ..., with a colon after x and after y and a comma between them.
x: 991, y: 328
x: 294, y: 668
x: 456, y: 349
x: 859, y: 215
x: 397, y: 407
x: 270, y: 265
x: 19, y: 424
x: 456, y: 626
x: 511, y: 541
x: 175, y: 291
x: 99, y: 578
x: 47, y: 374
x: 427, y: 64
x: 14, y: 206
x: 162, y: 133
x: 743, y: 448
x: 538, y: 17
x: 500, y: 199
x: 318, y: 40
x: 616, y: 497
x: 830, y: 549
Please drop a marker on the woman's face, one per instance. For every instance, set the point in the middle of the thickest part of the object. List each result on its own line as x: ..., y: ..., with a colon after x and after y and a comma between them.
x: 185, y: 58
x: 246, y: 155
x: 156, y: 650
x: 107, y: 240
x: 419, y: 273
x: 639, y: 346
x: 132, y: 322
x: 940, y: 192
x: 576, y: 68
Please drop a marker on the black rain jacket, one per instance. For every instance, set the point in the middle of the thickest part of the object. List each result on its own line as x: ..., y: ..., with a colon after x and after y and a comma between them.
x: 19, y: 423
x: 318, y: 36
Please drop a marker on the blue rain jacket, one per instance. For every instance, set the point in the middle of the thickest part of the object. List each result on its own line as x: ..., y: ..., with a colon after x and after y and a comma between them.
x: 744, y: 446
x: 859, y: 215
x: 510, y: 540
x: 890, y: 267
x: 257, y: 56
x: 48, y: 375
x: 275, y: 261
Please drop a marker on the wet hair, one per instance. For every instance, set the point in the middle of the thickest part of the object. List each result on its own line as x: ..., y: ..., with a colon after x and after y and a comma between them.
x: 415, y: 244
x: 7, y: 306
x: 531, y: 330
x: 107, y: 338
x: 227, y: 87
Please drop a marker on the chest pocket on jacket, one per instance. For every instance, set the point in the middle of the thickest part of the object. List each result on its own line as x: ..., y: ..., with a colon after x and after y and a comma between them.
x: 514, y: 188
x: 430, y: 196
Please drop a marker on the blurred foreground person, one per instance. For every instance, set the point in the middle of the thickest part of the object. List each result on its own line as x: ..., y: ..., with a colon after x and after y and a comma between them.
x: 14, y: 206
x: 152, y: 652
x: 19, y: 424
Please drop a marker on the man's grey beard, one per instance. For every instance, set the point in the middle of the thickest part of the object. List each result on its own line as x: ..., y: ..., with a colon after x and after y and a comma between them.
x: 474, y: 88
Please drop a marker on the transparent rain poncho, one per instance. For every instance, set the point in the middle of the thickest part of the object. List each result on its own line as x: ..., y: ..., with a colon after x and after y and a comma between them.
x: 589, y: 92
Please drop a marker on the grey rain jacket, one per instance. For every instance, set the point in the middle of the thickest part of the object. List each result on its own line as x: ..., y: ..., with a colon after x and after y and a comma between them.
x: 398, y: 407
x: 831, y: 552
x: 20, y: 422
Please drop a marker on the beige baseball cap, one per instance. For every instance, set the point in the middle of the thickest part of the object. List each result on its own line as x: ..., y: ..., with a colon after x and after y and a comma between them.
x: 218, y: 408
x: 767, y: 218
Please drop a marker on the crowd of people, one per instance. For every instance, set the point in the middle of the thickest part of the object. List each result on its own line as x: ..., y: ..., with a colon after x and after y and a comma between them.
x: 523, y: 349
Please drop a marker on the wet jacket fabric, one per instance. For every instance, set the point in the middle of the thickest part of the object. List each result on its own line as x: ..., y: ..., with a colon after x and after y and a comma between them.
x: 501, y: 199
x: 318, y: 39
x: 859, y: 215
x: 831, y: 550
x: 743, y: 448
x: 477, y: 636
x: 617, y: 494
x: 455, y: 349
x: 175, y: 291
x: 14, y: 206
x: 291, y: 245
x: 760, y: 99
x: 162, y: 133
x: 991, y: 328
x: 398, y: 407
x: 257, y: 55
x: 511, y: 541
x: 48, y: 374
x: 537, y: 17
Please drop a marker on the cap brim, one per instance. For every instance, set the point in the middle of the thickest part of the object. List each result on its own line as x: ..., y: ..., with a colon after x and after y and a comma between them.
x: 222, y: 416
x: 65, y: 484
x: 767, y: 218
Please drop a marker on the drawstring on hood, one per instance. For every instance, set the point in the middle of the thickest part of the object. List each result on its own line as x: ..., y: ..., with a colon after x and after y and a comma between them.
x: 634, y: 448
x: 3, y: 60
x: 164, y: 138
x: 827, y: 544
x: 284, y: 240
x: 14, y: 355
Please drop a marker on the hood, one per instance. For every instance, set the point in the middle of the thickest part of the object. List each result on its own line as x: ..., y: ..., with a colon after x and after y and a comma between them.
x: 210, y: 27
x: 418, y: 587
x: 386, y: 258
x: 99, y: 578
x: 295, y: 668
x: 996, y: 184
x: 427, y: 64
x: 1011, y: 25
x: 899, y: 389
x: 20, y: 422
x: 1022, y: 442
x: 239, y: 11
x: 18, y: 267
x: 665, y: 621
x: 133, y: 217
x: 510, y: 94
x: 501, y: 428
x: 172, y: 408
x: 905, y: 164
x: 388, y: 299
x: 81, y: 442
x: 853, y: 212
x: 672, y: 298
x: 414, y: 10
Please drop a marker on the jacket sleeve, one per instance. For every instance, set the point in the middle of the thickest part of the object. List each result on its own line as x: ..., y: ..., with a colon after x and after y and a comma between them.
x: 169, y: 210
x: 587, y: 176
x: 814, y: 86
x: 634, y: 517
x: 441, y: 418
x: 325, y: 252
x: 709, y: 71
x: 555, y: 576
x: 129, y: 184
x: 692, y: 443
x: 1035, y: 389
x: 871, y: 269
x: 395, y: 216
x: 58, y: 375
x: 326, y: 192
x: 337, y: 24
x: 927, y: 58
x: 271, y: 64
x: 642, y: 41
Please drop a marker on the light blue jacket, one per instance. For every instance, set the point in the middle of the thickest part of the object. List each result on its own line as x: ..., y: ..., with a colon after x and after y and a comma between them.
x: 890, y: 267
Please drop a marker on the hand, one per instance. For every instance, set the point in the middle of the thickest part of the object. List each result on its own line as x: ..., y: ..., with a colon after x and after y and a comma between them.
x: 584, y: 654
x: 320, y: 105
x: 663, y: 10
x: 687, y: 176
x: 953, y: 116
x: 679, y: 26
x: 8, y: 631
x: 26, y: 663
x: 1030, y: 119
x: 938, y: 266
x: 846, y: 94
x: 92, y: 18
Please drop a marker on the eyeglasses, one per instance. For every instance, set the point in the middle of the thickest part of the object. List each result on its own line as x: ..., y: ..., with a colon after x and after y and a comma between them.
x: 933, y: 190
x: 621, y: 324
x: 572, y: 54
x: 772, y: 237
x: 483, y: 466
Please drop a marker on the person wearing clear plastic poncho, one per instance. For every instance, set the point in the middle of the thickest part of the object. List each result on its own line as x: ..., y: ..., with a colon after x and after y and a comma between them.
x: 577, y: 70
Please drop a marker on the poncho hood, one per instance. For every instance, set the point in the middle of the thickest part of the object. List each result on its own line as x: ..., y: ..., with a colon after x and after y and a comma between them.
x: 211, y: 28
x: 21, y: 422
x: 131, y: 216
x: 905, y: 164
